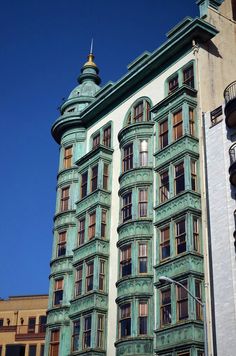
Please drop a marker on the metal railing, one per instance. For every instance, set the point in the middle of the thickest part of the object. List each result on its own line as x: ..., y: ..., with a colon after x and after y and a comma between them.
x: 31, y: 329
x: 230, y: 92
x: 232, y: 154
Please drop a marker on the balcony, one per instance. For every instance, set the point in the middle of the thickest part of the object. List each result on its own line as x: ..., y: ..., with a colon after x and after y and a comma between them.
x: 230, y: 105
x: 26, y: 332
x: 232, y: 167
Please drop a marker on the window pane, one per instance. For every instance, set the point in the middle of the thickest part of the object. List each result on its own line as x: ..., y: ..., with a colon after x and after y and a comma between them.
x: 143, y: 153
x: 173, y: 84
x: 164, y: 186
x: 96, y: 141
x: 182, y: 301
x: 163, y: 136
x: 179, y: 178
x: 127, y: 207
x: 180, y: 236
x: 166, y: 306
x: 107, y: 137
x: 177, y: 125
x: 128, y: 157
x: 125, y: 261
x: 165, y: 242
x: 125, y: 320
x: 94, y: 178
x: 84, y: 180
x: 189, y: 76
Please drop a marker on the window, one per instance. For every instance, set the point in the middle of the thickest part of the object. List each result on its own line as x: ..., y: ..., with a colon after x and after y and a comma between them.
x: 81, y: 231
x: 87, y: 332
x: 188, y: 76
x: 164, y: 186
x: 198, y: 294
x: 32, y: 350
x: 92, y: 225
x: 183, y: 353
x: 68, y: 157
x: 165, y: 242
x: 196, y: 240
x: 41, y: 350
x: 127, y: 207
x: 200, y: 353
x: 143, y: 202
x: 138, y: 112
x: 1, y: 322
x: 179, y: 178
x: 143, y: 317
x: 125, y: 261
x: 103, y: 223
x: 125, y: 320
x: 84, y: 183
x: 58, y: 291
x: 191, y: 122
x: 216, y: 115
x: 107, y: 136
x: 177, y: 125
x: 182, y: 302
x: 193, y: 175
x: 65, y: 199
x: 42, y: 323
x: 142, y: 256
x: 173, y: 84
x: 94, y: 178
x: 54, y: 343
x: 105, y: 176
x: 96, y: 140
x: 100, y: 332
x: 75, y: 335
x: 31, y: 325
x: 61, y: 246
x: 180, y: 236
x: 78, y: 280
x: 128, y: 157
x: 89, y: 276
x: 101, y: 275
x: 163, y: 133
x: 165, y: 306
x: 143, y: 153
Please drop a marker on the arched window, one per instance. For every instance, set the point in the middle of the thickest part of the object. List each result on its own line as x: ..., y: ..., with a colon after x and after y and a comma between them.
x: 139, y: 112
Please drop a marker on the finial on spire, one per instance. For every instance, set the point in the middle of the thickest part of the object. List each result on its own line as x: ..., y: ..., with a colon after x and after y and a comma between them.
x: 91, y: 46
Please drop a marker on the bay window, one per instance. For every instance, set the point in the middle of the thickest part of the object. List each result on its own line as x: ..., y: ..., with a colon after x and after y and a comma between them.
x: 128, y: 157
x: 142, y: 257
x: 164, y: 186
x: 68, y: 157
x: 143, y: 153
x: 165, y: 309
x: 125, y: 261
x: 127, y: 207
x: 179, y: 178
x: 143, y: 318
x: 87, y: 332
x: 89, y: 275
x: 78, y: 280
x: 182, y: 301
x: 92, y: 225
x: 177, y: 125
x: 125, y: 320
x: 58, y: 292
x: 163, y: 134
x: 143, y: 202
x: 165, y: 242
x: 180, y: 236
x: 61, y: 246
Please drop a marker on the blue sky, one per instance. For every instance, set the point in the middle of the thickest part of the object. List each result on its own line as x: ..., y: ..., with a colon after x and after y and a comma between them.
x: 44, y: 43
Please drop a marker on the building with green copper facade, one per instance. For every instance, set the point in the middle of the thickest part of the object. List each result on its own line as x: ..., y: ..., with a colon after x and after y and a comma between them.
x: 132, y: 201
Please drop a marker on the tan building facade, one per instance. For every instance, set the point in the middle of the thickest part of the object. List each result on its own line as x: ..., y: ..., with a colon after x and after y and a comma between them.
x: 22, y: 325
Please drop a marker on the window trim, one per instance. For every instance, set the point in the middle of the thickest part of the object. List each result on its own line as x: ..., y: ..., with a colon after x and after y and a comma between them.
x: 67, y: 157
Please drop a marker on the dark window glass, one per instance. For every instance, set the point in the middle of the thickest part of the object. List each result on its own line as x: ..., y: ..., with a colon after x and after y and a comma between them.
x: 84, y: 182
x: 127, y: 207
x: 177, y: 125
x: 78, y: 280
x: 182, y: 301
x: 89, y: 276
x: 189, y: 76
x: 87, y: 332
x: 92, y: 225
x: 179, y: 178
x: 96, y: 141
x: 64, y: 206
x: 143, y: 318
x: 58, y: 292
x: 61, y: 247
x: 107, y: 137
x: 94, y: 178
x: 125, y: 320
x: 105, y: 176
x: 173, y: 84
x: 166, y: 306
x: 128, y: 157
x: 164, y: 186
x: 126, y: 261
x: 180, y: 236
x: 143, y: 258
x: 138, y: 112
x: 31, y: 325
x: 32, y: 350
x: 143, y: 202
x: 163, y: 136
x: 165, y: 243
x: 42, y: 323
x: 75, y: 336
x: 81, y: 232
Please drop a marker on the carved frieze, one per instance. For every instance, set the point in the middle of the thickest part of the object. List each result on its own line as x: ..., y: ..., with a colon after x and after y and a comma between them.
x: 131, y: 285
x: 136, y: 176
x: 67, y: 175
x: 179, y: 335
x: 93, y: 246
x: 169, y: 153
x: 184, y: 201
x: 65, y: 218
x: 99, y: 197
x: 181, y: 264
x: 134, y: 346
x: 88, y: 302
x: 135, y: 228
x: 56, y: 316
x: 61, y: 265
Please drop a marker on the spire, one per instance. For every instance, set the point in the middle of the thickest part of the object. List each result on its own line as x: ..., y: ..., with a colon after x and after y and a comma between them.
x: 90, y: 61
x: 90, y: 70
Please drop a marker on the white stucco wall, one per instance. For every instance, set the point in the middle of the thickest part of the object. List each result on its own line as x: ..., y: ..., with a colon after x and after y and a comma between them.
x: 221, y: 207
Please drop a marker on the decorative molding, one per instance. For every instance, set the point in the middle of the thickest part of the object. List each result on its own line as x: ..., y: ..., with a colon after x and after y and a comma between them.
x: 98, y: 197
x: 136, y: 176
x: 90, y: 301
x: 181, y: 264
x: 61, y: 264
x: 67, y: 175
x: 135, y: 228
x: 92, y: 247
x: 178, y: 204
x: 179, y: 335
x: 131, y: 286
x: 100, y: 151
x: 134, y: 130
x: 186, y: 144
x: 135, y: 346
